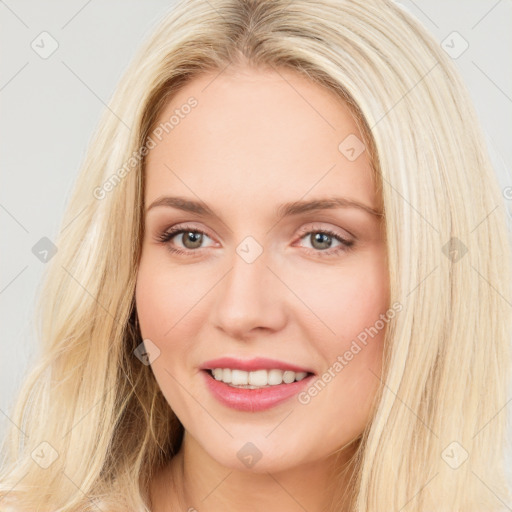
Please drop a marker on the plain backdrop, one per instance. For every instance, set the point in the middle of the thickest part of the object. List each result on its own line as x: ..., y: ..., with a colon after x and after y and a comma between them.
x: 50, y: 106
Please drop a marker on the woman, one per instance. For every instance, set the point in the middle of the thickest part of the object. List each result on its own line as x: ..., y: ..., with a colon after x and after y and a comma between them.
x: 286, y: 286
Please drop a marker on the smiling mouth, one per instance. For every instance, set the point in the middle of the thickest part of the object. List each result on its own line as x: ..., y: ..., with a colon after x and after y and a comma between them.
x: 257, y: 379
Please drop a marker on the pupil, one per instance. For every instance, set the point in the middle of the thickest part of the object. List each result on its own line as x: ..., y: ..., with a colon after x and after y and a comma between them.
x: 196, y: 239
x: 318, y: 238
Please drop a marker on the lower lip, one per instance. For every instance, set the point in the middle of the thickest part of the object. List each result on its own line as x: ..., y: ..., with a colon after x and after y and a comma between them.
x: 253, y: 400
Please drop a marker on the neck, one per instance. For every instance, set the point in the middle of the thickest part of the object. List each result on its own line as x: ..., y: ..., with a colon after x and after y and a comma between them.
x: 194, y: 481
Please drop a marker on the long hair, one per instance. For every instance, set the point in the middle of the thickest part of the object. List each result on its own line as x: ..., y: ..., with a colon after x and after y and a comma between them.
x: 90, y: 425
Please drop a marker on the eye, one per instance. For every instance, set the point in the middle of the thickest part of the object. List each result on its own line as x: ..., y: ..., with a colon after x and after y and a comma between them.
x: 192, y: 239
x: 321, y: 241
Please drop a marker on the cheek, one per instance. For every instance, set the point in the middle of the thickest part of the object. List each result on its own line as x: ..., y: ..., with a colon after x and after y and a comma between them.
x: 167, y: 310
x: 352, y: 303
x: 360, y: 324
x: 152, y: 302
x: 166, y: 299
x: 347, y: 299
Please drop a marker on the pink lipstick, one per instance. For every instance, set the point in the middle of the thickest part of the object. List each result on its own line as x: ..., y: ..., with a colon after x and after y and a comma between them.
x: 255, y: 398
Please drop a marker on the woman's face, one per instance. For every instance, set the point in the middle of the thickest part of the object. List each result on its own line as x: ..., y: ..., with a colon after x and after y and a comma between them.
x: 256, y: 279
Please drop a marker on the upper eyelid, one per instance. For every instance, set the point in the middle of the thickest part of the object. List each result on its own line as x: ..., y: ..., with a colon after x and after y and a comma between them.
x: 317, y: 226
x: 178, y: 229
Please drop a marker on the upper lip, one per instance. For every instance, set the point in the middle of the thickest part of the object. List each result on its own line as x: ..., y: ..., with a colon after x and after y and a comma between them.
x: 258, y: 363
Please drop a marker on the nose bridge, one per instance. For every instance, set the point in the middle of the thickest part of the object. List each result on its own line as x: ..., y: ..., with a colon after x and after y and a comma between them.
x: 249, y: 295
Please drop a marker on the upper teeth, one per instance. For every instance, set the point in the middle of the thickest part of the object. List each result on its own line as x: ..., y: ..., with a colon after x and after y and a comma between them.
x: 256, y: 378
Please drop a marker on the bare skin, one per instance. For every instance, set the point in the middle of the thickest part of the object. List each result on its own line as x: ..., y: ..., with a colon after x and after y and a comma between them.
x: 255, y: 140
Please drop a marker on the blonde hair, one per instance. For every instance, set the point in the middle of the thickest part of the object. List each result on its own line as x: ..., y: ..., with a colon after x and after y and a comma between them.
x: 446, y: 355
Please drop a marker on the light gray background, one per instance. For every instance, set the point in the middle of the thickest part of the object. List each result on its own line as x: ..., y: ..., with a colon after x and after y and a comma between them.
x: 49, y: 108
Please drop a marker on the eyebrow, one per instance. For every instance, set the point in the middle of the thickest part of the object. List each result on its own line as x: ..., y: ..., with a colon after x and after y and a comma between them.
x: 284, y: 210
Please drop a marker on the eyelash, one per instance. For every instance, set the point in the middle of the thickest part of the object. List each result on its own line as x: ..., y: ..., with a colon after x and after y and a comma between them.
x: 168, y: 235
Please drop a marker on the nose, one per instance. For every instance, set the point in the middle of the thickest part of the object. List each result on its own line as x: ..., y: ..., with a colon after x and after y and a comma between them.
x: 249, y: 298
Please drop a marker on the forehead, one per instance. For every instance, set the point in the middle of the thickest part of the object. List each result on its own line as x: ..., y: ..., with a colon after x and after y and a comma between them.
x: 256, y: 134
